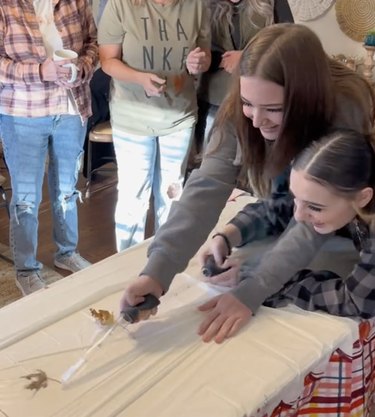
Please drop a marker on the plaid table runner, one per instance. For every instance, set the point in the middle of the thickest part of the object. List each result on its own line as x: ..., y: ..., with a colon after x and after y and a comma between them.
x: 345, y: 388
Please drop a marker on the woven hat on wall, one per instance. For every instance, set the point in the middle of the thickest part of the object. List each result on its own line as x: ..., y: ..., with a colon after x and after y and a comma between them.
x: 356, y: 17
x: 305, y: 10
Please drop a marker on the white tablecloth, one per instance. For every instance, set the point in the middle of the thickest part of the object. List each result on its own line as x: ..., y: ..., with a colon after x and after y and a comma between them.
x: 160, y: 367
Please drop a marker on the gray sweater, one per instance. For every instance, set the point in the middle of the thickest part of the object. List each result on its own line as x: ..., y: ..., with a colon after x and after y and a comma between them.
x: 192, y: 217
x: 205, y: 194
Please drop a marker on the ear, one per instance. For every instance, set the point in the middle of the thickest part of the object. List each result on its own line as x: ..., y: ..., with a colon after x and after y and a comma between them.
x: 364, y: 196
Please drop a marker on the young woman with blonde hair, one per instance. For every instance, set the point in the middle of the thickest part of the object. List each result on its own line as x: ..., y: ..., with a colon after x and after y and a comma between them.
x: 282, y: 99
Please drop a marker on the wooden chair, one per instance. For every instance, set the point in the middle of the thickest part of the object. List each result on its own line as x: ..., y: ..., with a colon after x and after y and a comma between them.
x: 100, y: 133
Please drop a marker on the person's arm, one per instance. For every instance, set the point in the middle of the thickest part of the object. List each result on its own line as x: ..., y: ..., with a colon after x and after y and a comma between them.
x: 226, y: 314
x: 12, y: 72
x: 112, y: 64
x: 266, y: 217
x: 193, y: 217
x: 292, y: 253
x: 111, y: 34
x: 353, y: 296
x: 199, y: 59
x: 88, y: 56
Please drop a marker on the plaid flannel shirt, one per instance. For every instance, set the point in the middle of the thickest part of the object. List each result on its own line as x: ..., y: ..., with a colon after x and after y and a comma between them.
x: 280, y: 279
x: 22, y: 51
x: 327, y: 291
x: 267, y: 217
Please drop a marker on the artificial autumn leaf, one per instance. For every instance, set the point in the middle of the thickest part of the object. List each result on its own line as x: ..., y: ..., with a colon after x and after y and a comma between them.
x: 104, y: 317
x: 38, y: 380
x: 178, y: 83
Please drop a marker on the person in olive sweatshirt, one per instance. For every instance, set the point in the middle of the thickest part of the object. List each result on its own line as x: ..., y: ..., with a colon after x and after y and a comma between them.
x: 276, y: 108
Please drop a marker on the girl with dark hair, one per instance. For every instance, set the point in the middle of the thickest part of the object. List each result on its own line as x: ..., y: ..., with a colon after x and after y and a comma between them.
x: 287, y: 93
x: 333, y: 183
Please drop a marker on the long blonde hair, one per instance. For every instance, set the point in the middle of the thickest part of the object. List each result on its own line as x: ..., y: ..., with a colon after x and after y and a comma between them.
x: 291, y: 56
x: 143, y: 2
x: 221, y: 11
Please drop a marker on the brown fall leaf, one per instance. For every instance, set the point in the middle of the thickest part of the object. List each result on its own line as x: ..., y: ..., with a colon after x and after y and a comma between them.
x: 38, y: 380
x: 178, y: 83
x: 104, y: 317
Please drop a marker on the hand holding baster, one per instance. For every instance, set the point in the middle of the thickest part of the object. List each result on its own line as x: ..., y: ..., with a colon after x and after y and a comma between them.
x: 130, y: 315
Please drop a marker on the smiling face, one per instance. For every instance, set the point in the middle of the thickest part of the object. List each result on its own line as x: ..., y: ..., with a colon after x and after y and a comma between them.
x: 317, y: 205
x: 262, y: 102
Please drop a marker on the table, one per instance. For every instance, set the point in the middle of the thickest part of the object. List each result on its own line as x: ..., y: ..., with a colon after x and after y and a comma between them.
x: 285, y: 362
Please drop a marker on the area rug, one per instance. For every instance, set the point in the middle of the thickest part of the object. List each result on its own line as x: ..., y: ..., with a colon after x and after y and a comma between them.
x: 8, y: 290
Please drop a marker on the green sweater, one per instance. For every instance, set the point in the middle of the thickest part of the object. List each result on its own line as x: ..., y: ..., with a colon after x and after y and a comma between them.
x: 155, y: 39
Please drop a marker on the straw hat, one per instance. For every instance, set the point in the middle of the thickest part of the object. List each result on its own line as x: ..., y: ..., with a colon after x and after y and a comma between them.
x: 355, y: 17
x: 305, y: 10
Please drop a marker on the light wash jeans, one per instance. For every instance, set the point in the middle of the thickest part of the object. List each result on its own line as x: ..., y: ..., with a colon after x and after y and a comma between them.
x: 27, y: 142
x: 147, y: 164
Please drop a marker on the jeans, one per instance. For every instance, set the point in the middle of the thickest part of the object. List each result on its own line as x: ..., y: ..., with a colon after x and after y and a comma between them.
x: 27, y: 142
x: 147, y: 164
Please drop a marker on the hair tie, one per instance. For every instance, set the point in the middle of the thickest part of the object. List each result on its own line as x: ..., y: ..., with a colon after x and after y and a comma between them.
x: 226, y: 240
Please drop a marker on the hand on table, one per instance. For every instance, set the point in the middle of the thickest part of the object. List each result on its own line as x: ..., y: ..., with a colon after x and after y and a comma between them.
x: 225, y: 316
x: 135, y: 294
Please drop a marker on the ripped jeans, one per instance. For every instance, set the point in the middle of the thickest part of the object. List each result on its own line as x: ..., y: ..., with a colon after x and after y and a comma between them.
x: 27, y: 142
x: 147, y: 164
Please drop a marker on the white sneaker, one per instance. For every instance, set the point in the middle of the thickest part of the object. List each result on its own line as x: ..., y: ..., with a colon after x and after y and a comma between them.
x: 29, y: 282
x: 73, y: 262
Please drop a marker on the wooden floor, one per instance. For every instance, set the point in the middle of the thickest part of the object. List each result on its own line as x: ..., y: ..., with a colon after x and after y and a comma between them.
x: 96, y: 222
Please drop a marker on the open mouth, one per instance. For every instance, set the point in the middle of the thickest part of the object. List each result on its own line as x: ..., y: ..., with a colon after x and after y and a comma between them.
x: 269, y: 129
x: 318, y: 225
